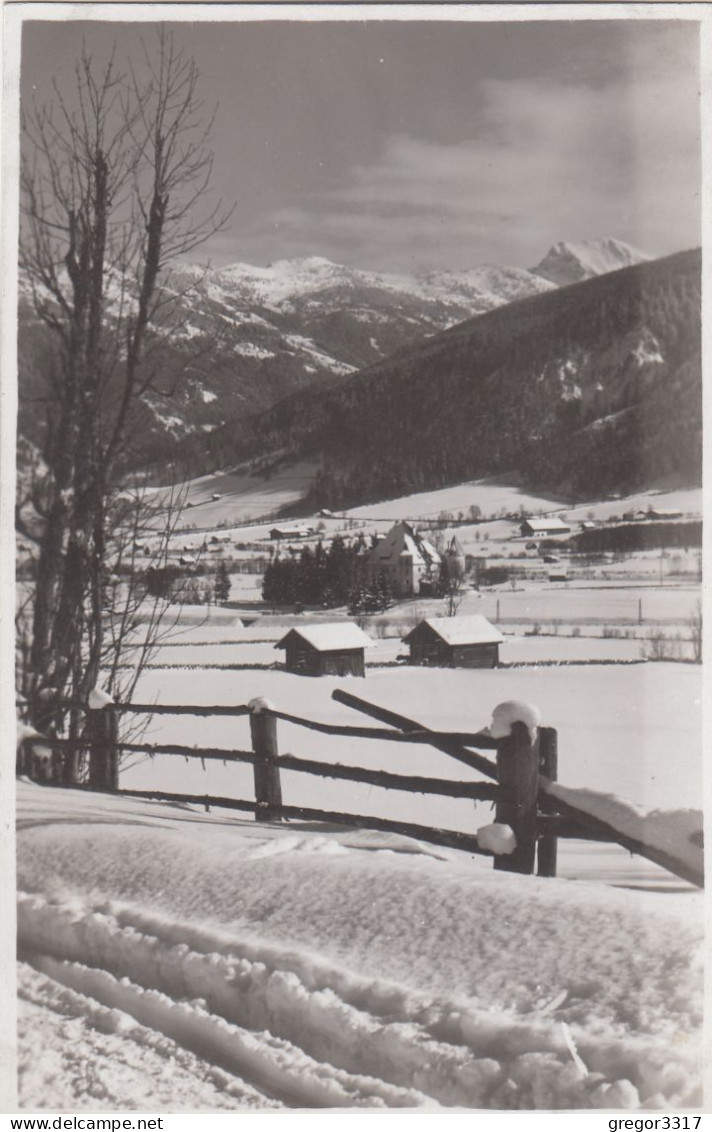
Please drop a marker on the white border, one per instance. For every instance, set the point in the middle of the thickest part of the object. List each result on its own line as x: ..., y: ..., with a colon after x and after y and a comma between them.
x: 14, y: 14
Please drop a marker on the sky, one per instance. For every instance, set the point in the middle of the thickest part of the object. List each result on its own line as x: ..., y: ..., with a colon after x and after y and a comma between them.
x: 408, y: 145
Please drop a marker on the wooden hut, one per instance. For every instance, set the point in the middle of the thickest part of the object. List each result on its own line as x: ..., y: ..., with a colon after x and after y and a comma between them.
x: 455, y: 642
x: 334, y: 649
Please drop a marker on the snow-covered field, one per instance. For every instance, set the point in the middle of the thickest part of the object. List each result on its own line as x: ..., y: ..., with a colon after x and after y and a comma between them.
x: 520, y: 647
x: 633, y: 730
x: 173, y: 960
x: 494, y: 496
x: 243, y: 496
x: 588, y: 604
x: 176, y: 960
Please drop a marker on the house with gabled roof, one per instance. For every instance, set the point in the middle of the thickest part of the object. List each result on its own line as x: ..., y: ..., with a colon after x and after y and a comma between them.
x: 330, y: 649
x: 543, y: 527
x: 455, y: 642
x: 406, y: 559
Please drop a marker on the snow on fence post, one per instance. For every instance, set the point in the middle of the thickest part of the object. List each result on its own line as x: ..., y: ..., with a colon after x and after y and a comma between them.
x: 548, y: 766
x: 517, y: 774
x: 103, y: 734
x: 268, y: 788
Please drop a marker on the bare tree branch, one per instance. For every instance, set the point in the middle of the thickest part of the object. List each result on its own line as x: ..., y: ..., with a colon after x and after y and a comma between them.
x: 114, y: 174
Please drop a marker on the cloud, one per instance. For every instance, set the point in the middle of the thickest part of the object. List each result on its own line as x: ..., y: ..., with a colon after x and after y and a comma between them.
x: 539, y: 162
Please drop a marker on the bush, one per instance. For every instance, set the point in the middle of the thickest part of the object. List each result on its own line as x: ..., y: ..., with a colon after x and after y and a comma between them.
x: 494, y: 575
x: 694, y: 623
x: 660, y: 647
x: 647, y: 535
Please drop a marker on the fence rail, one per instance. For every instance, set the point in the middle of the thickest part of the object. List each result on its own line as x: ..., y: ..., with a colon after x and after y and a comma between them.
x: 414, y: 784
x: 522, y: 776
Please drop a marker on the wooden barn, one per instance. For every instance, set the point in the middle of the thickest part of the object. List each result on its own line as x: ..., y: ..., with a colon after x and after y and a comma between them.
x: 541, y: 528
x: 455, y: 642
x: 333, y: 649
x: 289, y: 531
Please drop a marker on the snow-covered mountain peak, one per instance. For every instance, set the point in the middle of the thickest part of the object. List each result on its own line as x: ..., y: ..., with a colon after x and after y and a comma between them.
x: 283, y: 280
x: 571, y: 262
x: 287, y: 284
x: 491, y: 284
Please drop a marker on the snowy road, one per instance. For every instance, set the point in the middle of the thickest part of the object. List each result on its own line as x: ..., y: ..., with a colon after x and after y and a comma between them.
x: 175, y: 960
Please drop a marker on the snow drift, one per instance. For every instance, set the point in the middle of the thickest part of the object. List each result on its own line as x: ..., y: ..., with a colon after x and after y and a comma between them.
x: 310, y: 967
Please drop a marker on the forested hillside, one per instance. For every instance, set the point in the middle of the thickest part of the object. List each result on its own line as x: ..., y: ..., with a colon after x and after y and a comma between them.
x: 587, y: 389
x: 232, y: 342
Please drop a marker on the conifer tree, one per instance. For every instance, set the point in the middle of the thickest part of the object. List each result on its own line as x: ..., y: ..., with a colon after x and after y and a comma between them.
x: 222, y: 584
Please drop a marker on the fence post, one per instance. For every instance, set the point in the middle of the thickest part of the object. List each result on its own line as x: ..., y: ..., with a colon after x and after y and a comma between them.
x: 103, y: 734
x: 102, y: 731
x: 268, y: 788
x: 517, y: 774
x: 111, y: 722
x: 548, y: 766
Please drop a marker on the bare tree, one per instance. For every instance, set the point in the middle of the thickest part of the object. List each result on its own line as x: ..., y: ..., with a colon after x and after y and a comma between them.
x: 453, y: 591
x: 113, y: 177
x: 694, y: 624
x: 452, y: 576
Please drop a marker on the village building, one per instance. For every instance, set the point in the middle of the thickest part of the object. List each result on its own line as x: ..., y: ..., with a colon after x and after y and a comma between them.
x: 656, y: 513
x: 409, y: 562
x: 542, y: 528
x: 332, y: 649
x: 455, y: 642
x: 290, y: 531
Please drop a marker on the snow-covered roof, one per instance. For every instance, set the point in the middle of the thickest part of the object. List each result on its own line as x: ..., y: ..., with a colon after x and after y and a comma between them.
x: 291, y: 531
x: 403, y: 540
x: 546, y: 524
x: 475, y: 630
x: 334, y: 635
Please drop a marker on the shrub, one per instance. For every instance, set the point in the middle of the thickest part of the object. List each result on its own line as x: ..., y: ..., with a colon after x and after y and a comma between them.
x: 494, y: 575
x: 694, y: 624
x: 660, y: 647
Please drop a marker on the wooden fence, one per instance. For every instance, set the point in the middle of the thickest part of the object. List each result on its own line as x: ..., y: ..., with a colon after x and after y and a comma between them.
x: 522, y: 774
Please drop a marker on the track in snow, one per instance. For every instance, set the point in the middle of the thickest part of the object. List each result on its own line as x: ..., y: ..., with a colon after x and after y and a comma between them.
x: 287, y: 1028
x: 228, y: 1012
x: 75, y: 1052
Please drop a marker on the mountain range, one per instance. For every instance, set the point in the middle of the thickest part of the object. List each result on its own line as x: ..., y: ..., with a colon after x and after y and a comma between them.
x: 237, y: 340
x: 589, y: 388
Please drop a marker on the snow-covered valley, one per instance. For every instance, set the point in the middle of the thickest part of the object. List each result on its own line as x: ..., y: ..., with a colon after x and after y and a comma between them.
x: 178, y: 960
